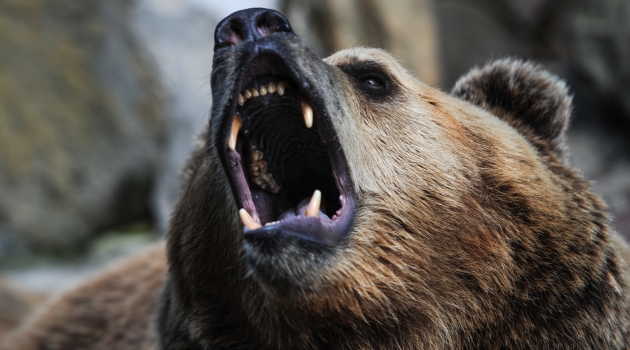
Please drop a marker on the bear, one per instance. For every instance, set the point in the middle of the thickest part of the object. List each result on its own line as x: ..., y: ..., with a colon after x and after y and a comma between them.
x: 343, y: 204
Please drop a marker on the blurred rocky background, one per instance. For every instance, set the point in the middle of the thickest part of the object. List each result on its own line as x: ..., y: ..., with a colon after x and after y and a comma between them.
x: 83, y: 122
x: 100, y: 101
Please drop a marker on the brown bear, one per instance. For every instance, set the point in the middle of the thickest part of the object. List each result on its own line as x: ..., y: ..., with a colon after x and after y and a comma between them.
x: 342, y: 204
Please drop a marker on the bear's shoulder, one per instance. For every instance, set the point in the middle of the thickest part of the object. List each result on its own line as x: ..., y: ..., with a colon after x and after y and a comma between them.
x: 112, y: 311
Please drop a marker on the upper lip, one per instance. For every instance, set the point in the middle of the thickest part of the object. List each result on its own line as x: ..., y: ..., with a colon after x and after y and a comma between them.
x: 260, y: 53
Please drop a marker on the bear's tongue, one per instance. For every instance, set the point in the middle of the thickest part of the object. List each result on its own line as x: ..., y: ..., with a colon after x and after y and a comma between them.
x: 301, y: 209
x: 285, y: 163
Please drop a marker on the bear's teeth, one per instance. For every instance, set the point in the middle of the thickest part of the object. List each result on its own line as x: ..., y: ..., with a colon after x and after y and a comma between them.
x: 262, y: 91
x: 266, y: 181
x: 307, y: 112
x: 281, y: 88
x: 236, y: 126
x: 255, y: 155
x: 313, y: 206
x: 248, y: 220
x: 258, y: 168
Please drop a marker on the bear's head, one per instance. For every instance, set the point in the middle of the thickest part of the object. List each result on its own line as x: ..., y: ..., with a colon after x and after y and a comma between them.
x: 444, y: 221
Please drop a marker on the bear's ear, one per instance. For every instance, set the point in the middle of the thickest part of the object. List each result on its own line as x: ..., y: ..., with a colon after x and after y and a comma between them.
x: 531, y: 100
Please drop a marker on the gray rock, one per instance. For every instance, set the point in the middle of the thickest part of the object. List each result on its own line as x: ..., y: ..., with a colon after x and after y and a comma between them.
x: 180, y: 37
x: 81, y: 121
x: 406, y: 28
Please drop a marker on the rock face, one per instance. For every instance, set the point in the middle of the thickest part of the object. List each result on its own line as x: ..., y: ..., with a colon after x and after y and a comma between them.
x: 178, y: 34
x: 405, y: 28
x: 81, y: 122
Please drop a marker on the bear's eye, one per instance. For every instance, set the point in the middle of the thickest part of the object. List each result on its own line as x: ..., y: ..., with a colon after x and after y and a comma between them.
x: 374, y: 83
x: 372, y: 79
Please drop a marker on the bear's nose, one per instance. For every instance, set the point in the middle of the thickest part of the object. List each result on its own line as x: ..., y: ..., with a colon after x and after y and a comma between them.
x: 250, y: 24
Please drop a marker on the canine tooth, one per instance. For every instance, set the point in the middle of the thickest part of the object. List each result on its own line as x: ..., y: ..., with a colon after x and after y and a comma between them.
x: 263, y: 91
x: 248, y: 220
x: 307, y: 112
x: 281, y: 87
x: 255, y: 92
x: 255, y: 155
x: 241, y: 100
x: 313, y: 206
x: 271, y: 88
x: 236, y: 126
x: 247, y: 94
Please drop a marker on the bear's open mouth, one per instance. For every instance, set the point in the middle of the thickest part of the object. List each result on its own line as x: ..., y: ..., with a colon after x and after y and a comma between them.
x: 284, y: 161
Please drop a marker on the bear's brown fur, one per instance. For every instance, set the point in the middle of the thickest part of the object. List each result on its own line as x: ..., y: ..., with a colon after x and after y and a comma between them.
x: 113, y: 311
x: 469, y: 231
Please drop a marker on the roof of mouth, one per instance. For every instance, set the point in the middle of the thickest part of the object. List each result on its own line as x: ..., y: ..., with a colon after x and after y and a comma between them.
x: 287, y: 170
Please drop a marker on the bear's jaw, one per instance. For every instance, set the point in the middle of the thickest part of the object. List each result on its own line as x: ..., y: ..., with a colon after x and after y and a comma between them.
x: 287, y: 171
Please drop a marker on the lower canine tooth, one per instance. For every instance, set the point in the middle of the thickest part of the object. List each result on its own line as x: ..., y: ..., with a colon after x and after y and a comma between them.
x: 307, y: 112
x: 236, y: 126
x: 241, y: 100
x: 313, y: 206
x: 248, y: 220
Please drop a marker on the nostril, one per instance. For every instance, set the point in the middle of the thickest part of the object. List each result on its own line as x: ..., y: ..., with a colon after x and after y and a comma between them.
x: 264, y: 28
x: 272, y: 22
x: 229, y: 33
x: 249, y: 25
x: 236, y: 34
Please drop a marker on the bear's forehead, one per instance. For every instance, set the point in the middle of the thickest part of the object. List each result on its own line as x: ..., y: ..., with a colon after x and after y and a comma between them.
x: 384, y: 59
x: 360, y: 54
